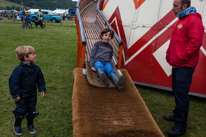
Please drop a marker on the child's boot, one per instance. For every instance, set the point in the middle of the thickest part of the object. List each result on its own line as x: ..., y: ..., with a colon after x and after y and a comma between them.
x: 30, y: 125
x: 118, y: 81
x: 17, y: 126
x: 103, y: 77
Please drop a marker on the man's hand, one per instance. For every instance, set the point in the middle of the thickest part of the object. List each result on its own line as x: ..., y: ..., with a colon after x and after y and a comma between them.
x: 42, y: 94
x: 93, y: 68
x: 17, y: 99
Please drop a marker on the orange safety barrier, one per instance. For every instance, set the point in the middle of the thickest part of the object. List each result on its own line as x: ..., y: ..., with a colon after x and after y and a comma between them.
x: 101, y: 5
x: 78, y: 45
x: 120, y: 57
x: 83, y: 56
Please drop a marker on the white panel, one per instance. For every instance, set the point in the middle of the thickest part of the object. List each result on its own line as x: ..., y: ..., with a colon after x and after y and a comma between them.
x: 160, y: 56
x: 196, y: 4
x: 137, y: 33
x: 109, y: 9
x: 204, y: 15
x: 127, y: 31
x: 147, y: 16
x: 165, y: 7
x: 127, y: 12
x: 203, y: 50
x: 147, y: 44
x: 148, y: 13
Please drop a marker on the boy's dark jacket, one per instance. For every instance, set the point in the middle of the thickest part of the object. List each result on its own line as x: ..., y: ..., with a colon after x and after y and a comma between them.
x: 14, y: 80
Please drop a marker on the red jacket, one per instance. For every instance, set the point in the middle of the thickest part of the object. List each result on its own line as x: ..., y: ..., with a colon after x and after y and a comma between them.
x: 185, y: 42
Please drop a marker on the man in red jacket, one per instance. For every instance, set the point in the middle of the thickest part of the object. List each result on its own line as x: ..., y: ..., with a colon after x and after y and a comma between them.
x: 182, y: 55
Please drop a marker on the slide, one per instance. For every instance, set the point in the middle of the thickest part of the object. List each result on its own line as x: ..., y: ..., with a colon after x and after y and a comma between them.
x: 101, y: 111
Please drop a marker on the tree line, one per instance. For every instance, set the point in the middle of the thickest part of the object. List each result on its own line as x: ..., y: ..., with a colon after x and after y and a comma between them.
x: 44, y: 4
x: 11, y: 8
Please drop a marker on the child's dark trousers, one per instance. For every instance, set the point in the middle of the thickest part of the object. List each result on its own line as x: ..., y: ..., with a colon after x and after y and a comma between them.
x: 25, y: 107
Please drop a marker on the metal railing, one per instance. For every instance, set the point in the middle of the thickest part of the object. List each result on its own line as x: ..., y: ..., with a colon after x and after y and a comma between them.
x: 100, y: 23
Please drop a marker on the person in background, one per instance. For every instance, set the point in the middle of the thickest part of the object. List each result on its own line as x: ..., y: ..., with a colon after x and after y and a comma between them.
x: 40, y: 18
x: 28, y: 20
x: 183, y: 54
x: 23, y: 18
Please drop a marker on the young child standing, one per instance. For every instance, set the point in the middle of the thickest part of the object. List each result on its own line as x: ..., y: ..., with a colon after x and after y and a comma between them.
x: 100, y: 58
x: 28, y: 20
x: 22, y: 84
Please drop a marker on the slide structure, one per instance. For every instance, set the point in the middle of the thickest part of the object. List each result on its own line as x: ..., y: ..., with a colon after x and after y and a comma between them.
x: 101, y: 111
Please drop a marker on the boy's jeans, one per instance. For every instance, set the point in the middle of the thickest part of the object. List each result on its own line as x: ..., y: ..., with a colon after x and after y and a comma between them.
x: 105, y: 66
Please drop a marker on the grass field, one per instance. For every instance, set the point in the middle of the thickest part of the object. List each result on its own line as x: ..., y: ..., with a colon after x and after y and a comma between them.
x: 56, y: 55
x: 4, y: 3
x: 49, y: 23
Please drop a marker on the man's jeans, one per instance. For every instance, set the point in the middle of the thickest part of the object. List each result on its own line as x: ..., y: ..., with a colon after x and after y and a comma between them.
x: 181, y: 81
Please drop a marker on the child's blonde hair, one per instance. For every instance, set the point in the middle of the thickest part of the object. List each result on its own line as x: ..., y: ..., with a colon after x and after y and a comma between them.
x: 24, y: 51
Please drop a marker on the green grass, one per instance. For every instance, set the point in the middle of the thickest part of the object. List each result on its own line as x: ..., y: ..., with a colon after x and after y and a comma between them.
x: 4, y: 3
x: 48, y: 23
x: 56, y: 55
x: 162, y: 103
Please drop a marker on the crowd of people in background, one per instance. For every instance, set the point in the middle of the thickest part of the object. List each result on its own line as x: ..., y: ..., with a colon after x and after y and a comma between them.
x: 26, y: 19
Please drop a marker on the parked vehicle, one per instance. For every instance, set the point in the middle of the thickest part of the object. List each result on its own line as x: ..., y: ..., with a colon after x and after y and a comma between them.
x: 32, y: 11
x: 49, y: 16
x: 72, y: 12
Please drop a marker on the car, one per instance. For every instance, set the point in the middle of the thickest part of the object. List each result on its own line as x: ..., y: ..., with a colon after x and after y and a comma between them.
x: 49, y: 16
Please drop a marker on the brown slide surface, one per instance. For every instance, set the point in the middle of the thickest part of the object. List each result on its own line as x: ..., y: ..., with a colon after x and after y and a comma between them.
x: 106, y: 112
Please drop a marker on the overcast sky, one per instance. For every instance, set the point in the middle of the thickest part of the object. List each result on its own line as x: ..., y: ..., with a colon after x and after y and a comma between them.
x: 74, y: 0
